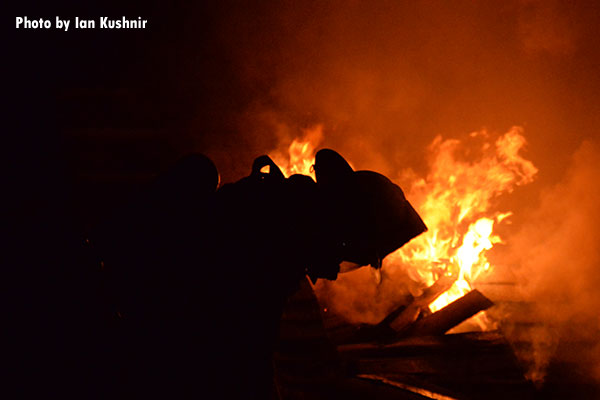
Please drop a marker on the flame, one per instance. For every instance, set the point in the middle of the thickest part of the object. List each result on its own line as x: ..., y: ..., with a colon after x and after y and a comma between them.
x: 454, y: 200
x: 300, y: 156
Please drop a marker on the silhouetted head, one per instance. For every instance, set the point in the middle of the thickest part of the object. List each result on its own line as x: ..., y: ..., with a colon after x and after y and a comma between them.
x: 372, y: 216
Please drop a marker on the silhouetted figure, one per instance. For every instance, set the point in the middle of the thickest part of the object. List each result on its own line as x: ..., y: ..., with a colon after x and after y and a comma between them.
x: 196, y: 278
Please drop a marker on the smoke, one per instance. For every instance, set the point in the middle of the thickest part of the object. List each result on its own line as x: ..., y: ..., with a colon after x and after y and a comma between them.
x: 383, y: 79
x: 557, y: 265
x: 359, y: 298
x: 547, y: 26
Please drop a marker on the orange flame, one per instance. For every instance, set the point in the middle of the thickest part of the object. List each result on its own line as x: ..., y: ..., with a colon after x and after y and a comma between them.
x: 300, y: 156
x: 455, y: 202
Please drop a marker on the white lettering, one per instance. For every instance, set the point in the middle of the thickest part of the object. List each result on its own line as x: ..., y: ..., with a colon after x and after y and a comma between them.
x: 84, y: 23
x: 60, y: 24
x: 123, y: 23
x: 32, y: 24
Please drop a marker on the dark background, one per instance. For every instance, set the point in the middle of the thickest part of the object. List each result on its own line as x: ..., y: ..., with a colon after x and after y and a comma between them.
x: 97, y: 112
x: 90, y: 117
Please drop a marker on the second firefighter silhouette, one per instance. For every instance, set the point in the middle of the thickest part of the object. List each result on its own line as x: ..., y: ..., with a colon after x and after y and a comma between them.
x: 200, y: 275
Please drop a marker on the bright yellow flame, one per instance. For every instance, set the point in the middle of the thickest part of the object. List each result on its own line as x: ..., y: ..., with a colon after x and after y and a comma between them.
x: 454, y: 200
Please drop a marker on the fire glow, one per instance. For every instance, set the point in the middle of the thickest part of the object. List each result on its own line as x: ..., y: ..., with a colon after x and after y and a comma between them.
x: 455, y: 201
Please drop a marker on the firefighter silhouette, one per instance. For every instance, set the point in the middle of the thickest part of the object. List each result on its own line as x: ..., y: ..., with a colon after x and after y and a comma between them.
x: 197, y: 276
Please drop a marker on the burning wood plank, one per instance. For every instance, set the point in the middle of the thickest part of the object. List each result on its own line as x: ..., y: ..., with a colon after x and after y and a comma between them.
x: 448, y: 317
x: 413, y: 320
x: 402, y: 317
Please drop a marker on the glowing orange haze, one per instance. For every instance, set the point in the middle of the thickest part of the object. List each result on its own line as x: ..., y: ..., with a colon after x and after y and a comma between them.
x: 454, y: 200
